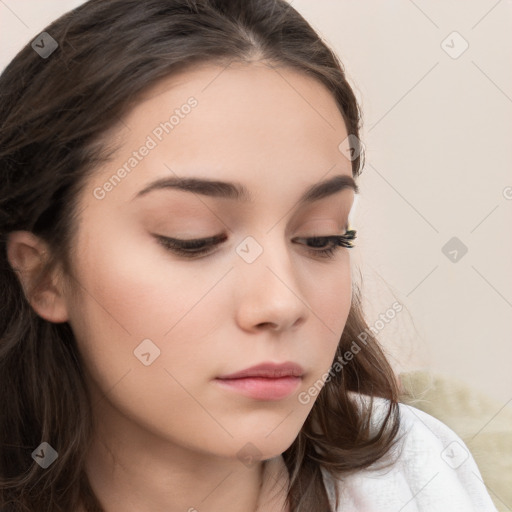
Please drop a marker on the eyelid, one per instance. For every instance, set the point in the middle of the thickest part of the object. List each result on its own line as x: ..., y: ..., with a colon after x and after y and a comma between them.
x: 204, y: 240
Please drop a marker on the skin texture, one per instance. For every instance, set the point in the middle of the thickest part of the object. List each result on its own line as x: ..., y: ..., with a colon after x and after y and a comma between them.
x: 175, y: 434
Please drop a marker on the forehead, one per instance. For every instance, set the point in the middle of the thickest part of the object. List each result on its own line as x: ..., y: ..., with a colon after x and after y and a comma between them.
x: 250, y: 123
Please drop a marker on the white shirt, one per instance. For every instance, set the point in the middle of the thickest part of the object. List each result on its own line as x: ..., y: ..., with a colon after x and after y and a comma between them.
x: 433, y: 471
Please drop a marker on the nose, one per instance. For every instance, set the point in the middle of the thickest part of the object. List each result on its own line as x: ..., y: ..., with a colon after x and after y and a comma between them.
x: 268, y: 291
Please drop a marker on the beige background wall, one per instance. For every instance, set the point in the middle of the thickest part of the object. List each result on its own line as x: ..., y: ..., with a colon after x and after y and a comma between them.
x: 438, y: 128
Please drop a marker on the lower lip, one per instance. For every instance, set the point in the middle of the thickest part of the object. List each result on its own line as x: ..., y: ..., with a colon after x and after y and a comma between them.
x: 261, y: 388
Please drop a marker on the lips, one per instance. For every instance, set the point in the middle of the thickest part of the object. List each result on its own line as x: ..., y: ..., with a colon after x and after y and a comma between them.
x: 264, y: 382
x: 268, y: 370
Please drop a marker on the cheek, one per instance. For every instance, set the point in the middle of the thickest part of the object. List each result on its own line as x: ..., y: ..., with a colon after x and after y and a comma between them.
x: 129, y: 294
x: 129, y: 284
x: 328, y: 290
x: 329, y: 298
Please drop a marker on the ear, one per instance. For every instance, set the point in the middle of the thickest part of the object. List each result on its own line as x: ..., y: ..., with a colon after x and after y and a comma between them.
x: 27, y: 254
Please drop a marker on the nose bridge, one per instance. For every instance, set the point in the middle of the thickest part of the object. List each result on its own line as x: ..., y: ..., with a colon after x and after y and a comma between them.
x: 269, y: 290
x: 260, y: 250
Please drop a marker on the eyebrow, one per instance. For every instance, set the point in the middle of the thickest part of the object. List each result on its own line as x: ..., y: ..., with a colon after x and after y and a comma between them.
x: 238, y: 192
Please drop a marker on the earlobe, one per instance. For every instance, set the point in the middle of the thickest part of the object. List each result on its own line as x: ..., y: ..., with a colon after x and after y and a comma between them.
x: 27, y: 255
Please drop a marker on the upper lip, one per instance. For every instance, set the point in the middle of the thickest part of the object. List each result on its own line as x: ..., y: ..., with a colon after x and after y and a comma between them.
x: 269, y: 370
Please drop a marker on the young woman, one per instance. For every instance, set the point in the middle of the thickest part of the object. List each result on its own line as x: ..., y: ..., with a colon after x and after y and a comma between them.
x: 179, y: 327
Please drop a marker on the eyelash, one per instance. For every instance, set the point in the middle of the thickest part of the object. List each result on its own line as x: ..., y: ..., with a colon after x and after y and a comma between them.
x: 198, y: 247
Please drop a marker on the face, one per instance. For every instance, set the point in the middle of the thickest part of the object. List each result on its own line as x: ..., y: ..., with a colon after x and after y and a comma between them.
x: 156, y: 327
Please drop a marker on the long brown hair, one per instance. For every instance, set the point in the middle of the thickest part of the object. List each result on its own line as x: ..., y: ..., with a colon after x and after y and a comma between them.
x: 54, y: 114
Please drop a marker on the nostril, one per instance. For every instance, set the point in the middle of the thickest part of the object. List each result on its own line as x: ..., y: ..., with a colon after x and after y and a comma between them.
x: 267, y: 324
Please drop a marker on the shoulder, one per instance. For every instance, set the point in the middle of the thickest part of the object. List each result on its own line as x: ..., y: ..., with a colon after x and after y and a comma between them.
x: 430, y: 469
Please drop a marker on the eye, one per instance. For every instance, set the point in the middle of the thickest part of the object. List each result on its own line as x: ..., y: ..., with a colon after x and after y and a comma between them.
x: 201, y: 246
x: 191, y: 248
x: 335, y: 242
